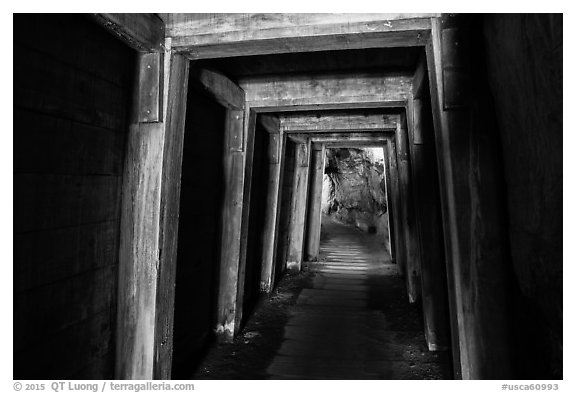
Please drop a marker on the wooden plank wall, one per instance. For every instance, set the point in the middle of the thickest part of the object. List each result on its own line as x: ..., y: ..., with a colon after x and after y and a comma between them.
x: 70, y: 123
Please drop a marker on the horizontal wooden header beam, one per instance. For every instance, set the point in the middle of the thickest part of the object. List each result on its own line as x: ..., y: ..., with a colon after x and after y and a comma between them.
x: 351, y: 137
x: 312, y: 122
x: 343, y: 145
x: 336, y: 91
x: 143, y: 32
x: 364, y: 103
x: 203, y: 36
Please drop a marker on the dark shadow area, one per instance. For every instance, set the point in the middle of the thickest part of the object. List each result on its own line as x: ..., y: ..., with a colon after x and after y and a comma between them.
x: 71, y: 116
x: 286, y: 187
x: 259, y: 190
x: 198, y: 232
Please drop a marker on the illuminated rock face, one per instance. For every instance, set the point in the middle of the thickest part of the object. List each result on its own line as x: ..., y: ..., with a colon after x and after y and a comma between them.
x: 354, y: 190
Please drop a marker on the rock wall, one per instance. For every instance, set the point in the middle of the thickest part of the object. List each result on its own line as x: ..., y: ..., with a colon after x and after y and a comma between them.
x: 524, y: 64
x: 354, y: 190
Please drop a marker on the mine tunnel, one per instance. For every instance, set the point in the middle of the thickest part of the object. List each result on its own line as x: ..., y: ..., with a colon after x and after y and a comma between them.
x: 287, y: 196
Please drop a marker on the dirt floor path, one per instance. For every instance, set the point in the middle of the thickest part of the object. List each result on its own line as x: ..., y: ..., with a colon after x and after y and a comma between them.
x: 345, y: 317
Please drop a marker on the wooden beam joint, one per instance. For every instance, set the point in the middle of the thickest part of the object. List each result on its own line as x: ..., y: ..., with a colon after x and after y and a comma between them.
x: 143, y: 32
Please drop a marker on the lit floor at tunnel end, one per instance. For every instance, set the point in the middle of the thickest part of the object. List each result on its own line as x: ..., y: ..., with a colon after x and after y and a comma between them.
x: 345, y: 316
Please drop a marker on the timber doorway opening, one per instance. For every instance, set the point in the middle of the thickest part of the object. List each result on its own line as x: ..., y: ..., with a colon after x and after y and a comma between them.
x: 199, y: 230
x: 354, y: 192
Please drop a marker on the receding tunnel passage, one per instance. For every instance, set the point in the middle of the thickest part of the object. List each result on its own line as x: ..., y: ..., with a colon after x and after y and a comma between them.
x: 346, y: 316
x: 288, y: 196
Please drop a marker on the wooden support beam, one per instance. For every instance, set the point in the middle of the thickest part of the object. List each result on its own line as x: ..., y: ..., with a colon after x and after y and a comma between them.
x: 399, y: 236
x: 379, y: 140
x: 271, y: 220
x: 299, y: 207
x: 295, y: 123
x: 389, y: 204
x: 249, y: 130
x: 150, y: 202
x: 170, y: 209
x: 427, y: 202
x: 472, y: 205
x: 282, y: 92
x: 231, y: 278
x: 344, y: 138
x: 150, y: 87
x: 312, y: 245
x: 143, y: 32
x: 223, y: 35
x: 220, y: 88
x: 419, y: 77
x: 270, y: 123
x: 365, y: 102
x: 411, y: 241
x: 353, y: 145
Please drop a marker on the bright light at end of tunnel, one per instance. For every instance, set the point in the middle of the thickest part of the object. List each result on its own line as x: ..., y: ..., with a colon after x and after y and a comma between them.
x: 376, y: 152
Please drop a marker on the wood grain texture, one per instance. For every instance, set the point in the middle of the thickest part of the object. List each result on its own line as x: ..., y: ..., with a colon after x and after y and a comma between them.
x: 143, y: 32
x: 231, y: 230
x: 352, y: 138
x: 473, y: 216
x: 270, y: 229
x: 315, y: 90
x: 139, y: 252
x: 407, y: 193
x: 251, y: 25
x: 170, y: 206
x: 315, y: 122
x: 248, y: 128
x: 392, y: 210
x: 220, y: 88
x: 221, y: 35
x: 299, y: 206
x: 397, y: 202
x: 427, y: 202
x: 150, y: 88
x: 312, y: 241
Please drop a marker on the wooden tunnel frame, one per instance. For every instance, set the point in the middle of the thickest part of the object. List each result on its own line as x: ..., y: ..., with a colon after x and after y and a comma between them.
x: 151, y: 182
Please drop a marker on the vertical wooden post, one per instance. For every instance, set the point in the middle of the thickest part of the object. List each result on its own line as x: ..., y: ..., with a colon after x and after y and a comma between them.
x: 169, y: 214
x: 389, y: 205
x: 231, y: 278
x: 427, y: 203
x: 149, y: 221
x: 270, y: 229
x: 397, y: 206
x: 315, y: 202
x: 407, y: 217
x: 472, y: 210
x: 299, y: 205
x: 249, y: 131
